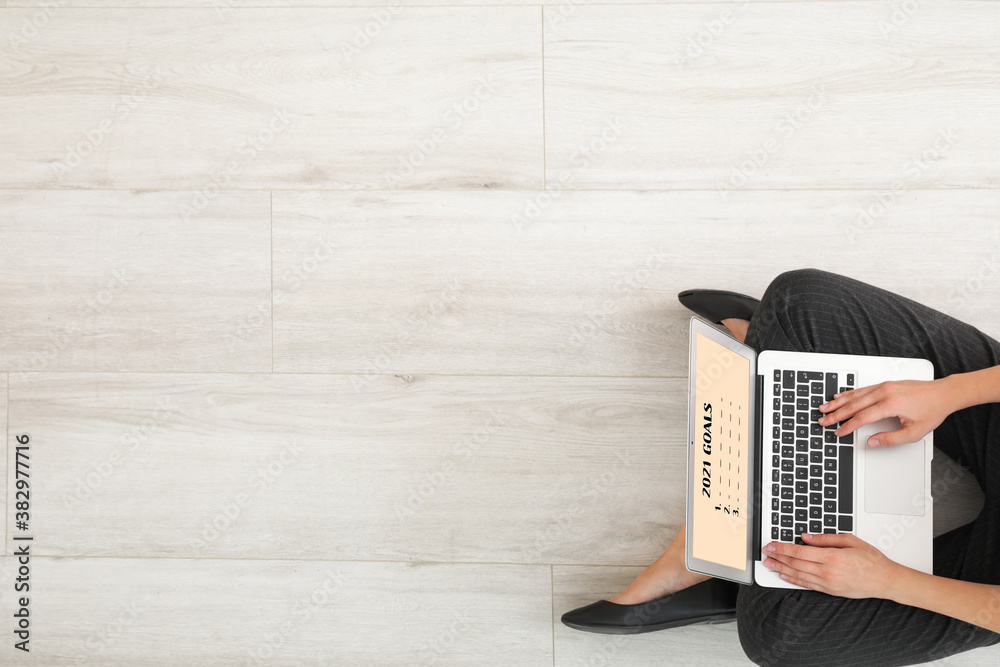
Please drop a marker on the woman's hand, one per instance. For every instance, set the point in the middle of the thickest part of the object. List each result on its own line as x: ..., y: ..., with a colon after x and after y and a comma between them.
x: 838, y: 564
x: 920, y: 405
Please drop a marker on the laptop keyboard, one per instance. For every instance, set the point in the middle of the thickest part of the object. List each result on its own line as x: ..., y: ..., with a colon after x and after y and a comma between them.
x: 812, y: 470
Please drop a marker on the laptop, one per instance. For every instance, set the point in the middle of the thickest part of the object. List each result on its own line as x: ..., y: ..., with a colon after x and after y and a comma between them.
x: 761, y: 468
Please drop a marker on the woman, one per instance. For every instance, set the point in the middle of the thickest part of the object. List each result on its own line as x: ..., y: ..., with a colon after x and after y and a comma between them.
x: 862, y: 608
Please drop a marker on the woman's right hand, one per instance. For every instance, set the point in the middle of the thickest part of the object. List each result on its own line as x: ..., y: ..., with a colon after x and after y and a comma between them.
x: 920, y: 406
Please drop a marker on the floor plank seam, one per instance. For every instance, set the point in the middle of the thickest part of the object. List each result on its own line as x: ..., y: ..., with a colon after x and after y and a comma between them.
x: 544, y: 147
x: 355, y: 374
x: 329, y: 560
x: 6, y: 467
x: 359, y: 191
x: 552, y: 600
x: 270, y: 209
x: 652, y: 3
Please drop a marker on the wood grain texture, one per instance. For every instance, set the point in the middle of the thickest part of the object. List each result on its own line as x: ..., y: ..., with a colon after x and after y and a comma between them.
x: 410, y: 468
x: 773, y: 95
x: 474, y: 381
x: 468, y: 283
x: 148, y: 612
x: 127, y: 281
x: 7, y: 436
x: 224, y: 8
x: 301, y: 98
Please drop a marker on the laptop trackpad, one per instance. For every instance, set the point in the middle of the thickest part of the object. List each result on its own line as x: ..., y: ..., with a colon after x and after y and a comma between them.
x: 894, y: 477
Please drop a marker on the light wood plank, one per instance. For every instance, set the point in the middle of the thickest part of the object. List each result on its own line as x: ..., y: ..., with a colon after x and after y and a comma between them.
x: 7, y: 436
x: 410, y: 468
x: 438, y: 98
x: 125, y: 281
x: 146, y: 612
x: 528, y: 470
x: 469, y: 283
x: 224, y: 8
x: 693, y: 645
x: 777, y: 95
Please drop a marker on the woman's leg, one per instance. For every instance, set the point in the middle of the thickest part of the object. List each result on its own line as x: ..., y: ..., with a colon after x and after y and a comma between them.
x: 667, y: 575
x: 816, y: 311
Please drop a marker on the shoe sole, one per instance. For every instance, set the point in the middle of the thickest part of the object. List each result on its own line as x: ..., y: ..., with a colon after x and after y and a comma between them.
x: 715, y: 619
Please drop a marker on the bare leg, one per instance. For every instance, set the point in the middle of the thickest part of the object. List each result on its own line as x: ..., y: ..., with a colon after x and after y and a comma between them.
x: 738, y: 327
x: 669, y: 574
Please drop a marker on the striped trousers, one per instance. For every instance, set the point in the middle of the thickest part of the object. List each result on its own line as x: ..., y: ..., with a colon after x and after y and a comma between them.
x: 809, y: 310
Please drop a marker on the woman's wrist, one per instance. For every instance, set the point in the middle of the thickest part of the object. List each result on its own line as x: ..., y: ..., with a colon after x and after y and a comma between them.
x: 901, y: 584
x: 959, y: 391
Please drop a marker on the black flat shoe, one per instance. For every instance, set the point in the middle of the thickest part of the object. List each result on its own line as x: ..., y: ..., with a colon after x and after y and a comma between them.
x: 716, y: 305
x: 712, y: 601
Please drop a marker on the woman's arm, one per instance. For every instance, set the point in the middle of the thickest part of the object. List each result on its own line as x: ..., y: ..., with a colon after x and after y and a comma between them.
x: 920, y: 405
x: 974, y: 388
x: 978, y: 604
x: 847, y: 566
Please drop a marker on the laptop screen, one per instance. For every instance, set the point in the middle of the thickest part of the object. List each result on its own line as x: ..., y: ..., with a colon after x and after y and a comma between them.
x: 722, y: 443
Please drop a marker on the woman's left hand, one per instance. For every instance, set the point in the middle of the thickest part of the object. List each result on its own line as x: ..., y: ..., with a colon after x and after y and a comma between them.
x: 838, y: 564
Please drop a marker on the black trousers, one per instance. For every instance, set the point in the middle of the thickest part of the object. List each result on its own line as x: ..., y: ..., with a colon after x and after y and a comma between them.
x: 815, y: 311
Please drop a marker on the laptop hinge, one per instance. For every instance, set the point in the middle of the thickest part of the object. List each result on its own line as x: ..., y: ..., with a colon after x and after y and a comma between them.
x: 758, y: 466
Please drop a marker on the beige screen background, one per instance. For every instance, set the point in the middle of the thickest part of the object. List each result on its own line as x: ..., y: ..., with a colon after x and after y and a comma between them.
x: 719, y: 530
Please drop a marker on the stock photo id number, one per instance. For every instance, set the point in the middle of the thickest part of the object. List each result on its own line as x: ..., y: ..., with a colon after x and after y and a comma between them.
x: 21, y: 539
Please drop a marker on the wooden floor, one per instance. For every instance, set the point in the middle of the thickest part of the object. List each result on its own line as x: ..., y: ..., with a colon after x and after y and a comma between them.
x: 348, y: 335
